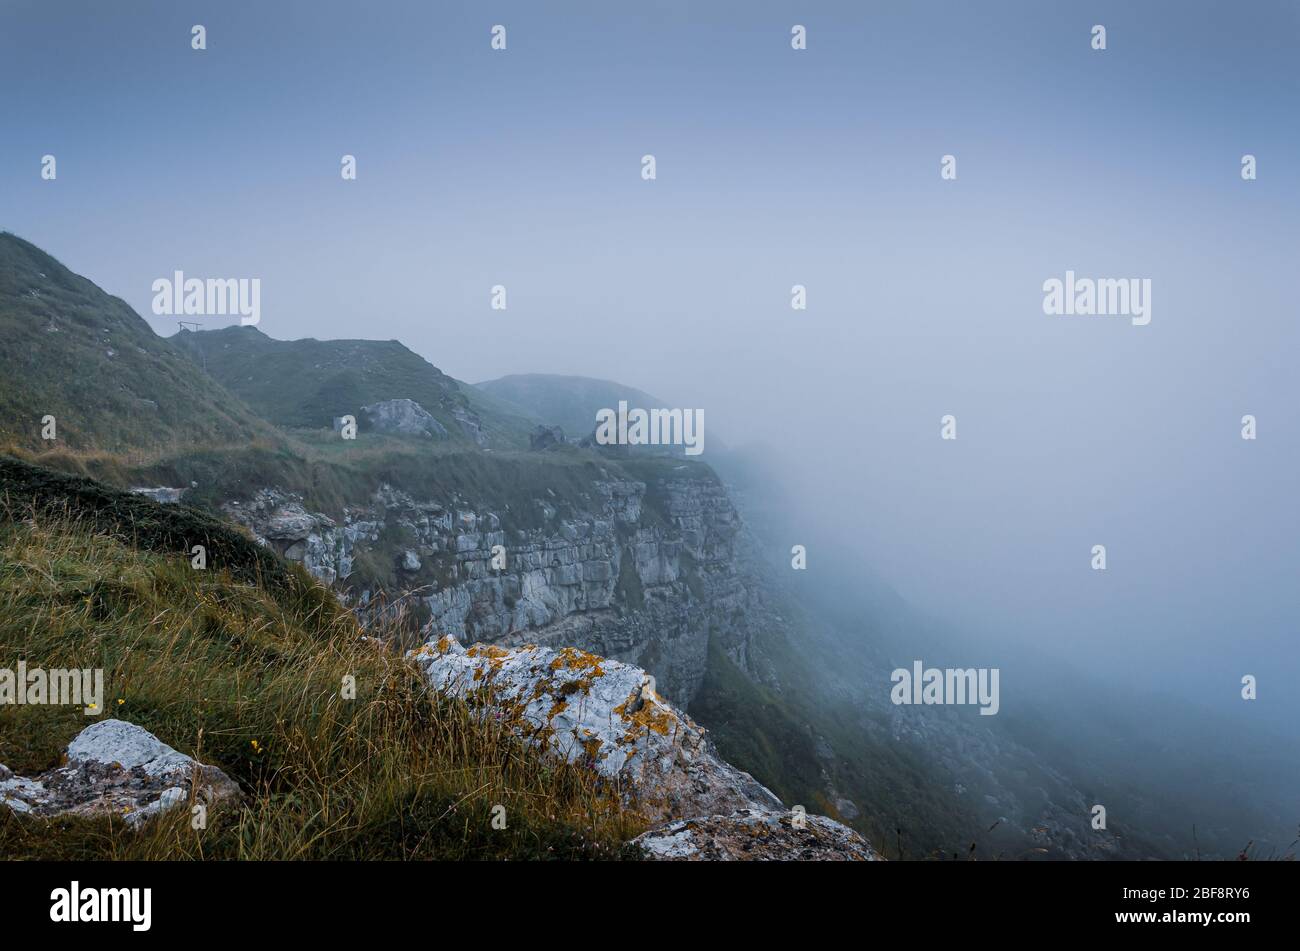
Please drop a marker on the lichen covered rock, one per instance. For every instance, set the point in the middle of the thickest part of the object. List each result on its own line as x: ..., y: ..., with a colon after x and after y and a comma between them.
x: 115, y: 767
x: 600, y: 713
x: 754, y: 835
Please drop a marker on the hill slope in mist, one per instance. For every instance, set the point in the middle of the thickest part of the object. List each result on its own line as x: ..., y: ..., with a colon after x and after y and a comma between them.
x: 74, y: 352
x: 570, y: 402
x: 644, y: 558
x: 307, y: 383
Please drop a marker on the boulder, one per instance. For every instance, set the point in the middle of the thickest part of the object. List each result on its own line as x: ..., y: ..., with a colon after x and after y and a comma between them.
x: 600, y: 713
x: 291, y: 523
x: 116, y: 768
x: 544, y: 437
x: 163, y: 494
x: 403, y: 418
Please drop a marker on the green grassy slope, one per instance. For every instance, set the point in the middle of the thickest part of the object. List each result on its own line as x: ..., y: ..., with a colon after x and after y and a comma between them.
x: 797, y: 743
x: 70, y: 350
x: 33, y: 491
x: 506, y: 424
x: 306, y: 383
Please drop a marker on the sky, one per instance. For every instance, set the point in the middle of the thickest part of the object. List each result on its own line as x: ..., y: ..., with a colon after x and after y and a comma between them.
x: 479, y: 167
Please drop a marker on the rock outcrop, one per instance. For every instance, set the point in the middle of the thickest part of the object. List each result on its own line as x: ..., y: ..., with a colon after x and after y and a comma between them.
x: 280, y: 521
x: 469, y: 424
x: 115, y: 767
x: 752, y: 835
x: 163, y: 494
x: 403, y: 418
x: 600, y: 713
x: 606, y: 715
x: 544, y: 437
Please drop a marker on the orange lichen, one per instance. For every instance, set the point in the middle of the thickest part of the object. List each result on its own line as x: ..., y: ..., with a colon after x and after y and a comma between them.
x: 644, y: 717
x: 570, y: 658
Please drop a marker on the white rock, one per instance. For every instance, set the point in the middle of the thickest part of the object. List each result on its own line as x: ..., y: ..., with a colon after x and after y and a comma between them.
x: 404, y: 417
x: 115, y: 767
x: 123, y: 743
x: 755, y: 835
x: 602, y: 714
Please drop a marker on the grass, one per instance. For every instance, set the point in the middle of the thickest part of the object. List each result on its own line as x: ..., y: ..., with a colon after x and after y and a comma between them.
x: 306, y: 383
x: 247, y: 677
x: 331, y: 473
x: 71, y: 351
x: 32, y: 492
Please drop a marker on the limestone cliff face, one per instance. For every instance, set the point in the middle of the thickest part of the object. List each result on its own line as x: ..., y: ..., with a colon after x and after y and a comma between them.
x: 649, y: 575
x: 638, y: 573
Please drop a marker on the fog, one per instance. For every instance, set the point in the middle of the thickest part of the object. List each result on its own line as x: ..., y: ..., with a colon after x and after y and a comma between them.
x: 778, y: 168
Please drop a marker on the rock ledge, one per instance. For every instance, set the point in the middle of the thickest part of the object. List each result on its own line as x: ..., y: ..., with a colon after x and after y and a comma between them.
x: 605, y: 715
x: 753, y: 835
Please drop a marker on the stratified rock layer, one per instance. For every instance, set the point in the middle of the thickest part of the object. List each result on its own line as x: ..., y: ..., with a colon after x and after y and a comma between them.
x: 115, y: 767
x: 608, y: 576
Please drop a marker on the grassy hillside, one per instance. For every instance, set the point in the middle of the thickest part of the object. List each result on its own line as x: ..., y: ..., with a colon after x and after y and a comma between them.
x: 246, y: 676
x: 306, y: 383
x: 69, y: 350
x: 506, y: 424
x: 28, y: 491
x: 797, y: 743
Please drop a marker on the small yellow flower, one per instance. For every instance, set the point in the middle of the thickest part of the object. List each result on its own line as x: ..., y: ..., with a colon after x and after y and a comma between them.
x: 120, y: 701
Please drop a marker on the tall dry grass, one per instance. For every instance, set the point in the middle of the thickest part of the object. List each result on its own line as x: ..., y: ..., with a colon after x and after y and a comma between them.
x: 249, y: 678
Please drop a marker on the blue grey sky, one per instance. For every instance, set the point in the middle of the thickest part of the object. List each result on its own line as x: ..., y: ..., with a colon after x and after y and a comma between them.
x: 775, y: 167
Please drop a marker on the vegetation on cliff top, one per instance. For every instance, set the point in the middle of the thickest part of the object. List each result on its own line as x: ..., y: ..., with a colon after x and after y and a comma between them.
x: 304, y: 384
x: 247, y: 677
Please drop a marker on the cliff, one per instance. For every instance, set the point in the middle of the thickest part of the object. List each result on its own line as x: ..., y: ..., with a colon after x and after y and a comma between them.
x: 639, y: 573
